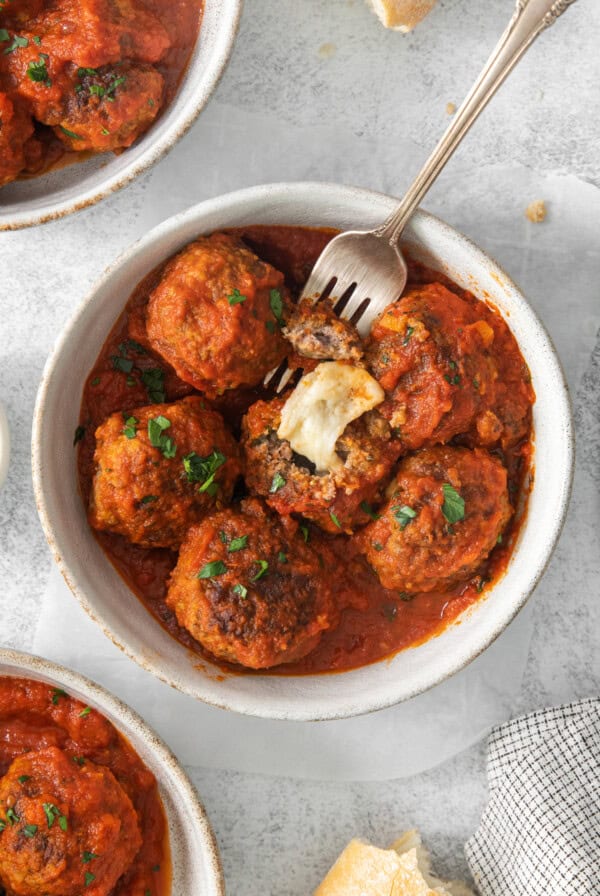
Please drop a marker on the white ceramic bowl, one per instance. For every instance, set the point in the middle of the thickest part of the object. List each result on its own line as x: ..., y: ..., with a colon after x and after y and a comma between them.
x: 195, y: 858
x: 103, y: 593
x: 74, y: 187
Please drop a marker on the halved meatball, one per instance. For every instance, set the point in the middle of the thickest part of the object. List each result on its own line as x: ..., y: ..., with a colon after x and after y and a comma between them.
x: 250, y: 590
x: 159, y: 469
x: 216, y: 315
x: 432, y: 352
x: 110, y: 107
x: 446, y: 508
x: 68, y: 828
x: 338, y: 500
x: 315, y: 331
x: 16, y: 127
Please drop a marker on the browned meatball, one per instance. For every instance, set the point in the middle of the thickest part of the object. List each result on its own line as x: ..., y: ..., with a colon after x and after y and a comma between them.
x: 446, y: 508
x: 249, y: 588
x: 432, y: 353
x: 16, y: 127
x: 216, y: 315
x: 16, y: 13
x: 159, y: 469
x: 66, y: 828
x: 316, y: 332
x: 337, y: 501
x: 110, y: 107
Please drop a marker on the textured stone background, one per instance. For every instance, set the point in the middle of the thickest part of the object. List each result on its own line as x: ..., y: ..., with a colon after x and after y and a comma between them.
x: 327, y: 69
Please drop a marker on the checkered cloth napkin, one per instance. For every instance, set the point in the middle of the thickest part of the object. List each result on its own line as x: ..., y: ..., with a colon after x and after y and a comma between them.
x: 540, y: 832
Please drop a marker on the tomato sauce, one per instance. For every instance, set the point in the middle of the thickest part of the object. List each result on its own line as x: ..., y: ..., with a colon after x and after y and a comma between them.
x: 34, y: 716
x: 376, y: 622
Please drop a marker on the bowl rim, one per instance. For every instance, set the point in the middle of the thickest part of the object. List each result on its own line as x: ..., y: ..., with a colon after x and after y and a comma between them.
x: 265, y: 193
x: 129, y: 721
x: 156, y: 150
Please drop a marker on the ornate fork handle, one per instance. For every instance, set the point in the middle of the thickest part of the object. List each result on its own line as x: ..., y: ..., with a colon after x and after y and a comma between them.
x: 530, y: 18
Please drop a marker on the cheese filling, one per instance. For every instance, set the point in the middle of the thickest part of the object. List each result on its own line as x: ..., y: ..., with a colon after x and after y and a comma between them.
x: 322, y: 405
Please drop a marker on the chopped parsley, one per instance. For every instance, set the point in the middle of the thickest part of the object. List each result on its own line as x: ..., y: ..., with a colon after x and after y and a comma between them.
x: 85, y: 712
x: 270, y: 326
x: 305, y: 533
x: 96, y: 381
x: 87, y: 857
x: 38, y: 71
x: 454, y: 506
x: 17, y: 42
x: 262, y: 569
x: 79, y: 434
x: 277, y: 483
x: 453, y: 380
x: 4, y: 35
x: 408, y: 333
x: 89, y: 878
x: 334, y: 519
x: 149, y: 499
x: 30, y: 830
x: 403, y: 515
x: 241, y: 590
x: 79, y: 760
x: 276, y: 303
x: 154, y: 381
x: 12, y: 816
x: 481, y: 583
x: 204, y: 469
x: 377, y: 546
x: 53, y: 814
x: 282, y: 557
x: 211, y: 570
x: 129, y: 430
x: 23, y: 778
x: 236, y: 297
x: 70, y: 134
x: 125, y: 365
x: 366, y: 508
x: 237, y: 544
x: 158, y: 439
x: 57, y: 693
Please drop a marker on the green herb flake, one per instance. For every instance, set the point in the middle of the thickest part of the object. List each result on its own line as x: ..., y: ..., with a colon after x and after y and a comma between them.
x: 79, y: 760
x: 89, y: 878
x: 480, y: 585
x: 154, y: 381
x: 241, y: 590
x: 4, y: 35
x: 403, y: 515
x: 282, y: 557
x: 38, y: 71
x: 79, y: 434
x: 156, y: 430
x: 366, y: 508
x: 270, y: 326
x: 129, y: 430
x: 277, y: 483
x: 149, y: 499
x: 212, y: 570
x: 23, y: 778
x: 30, y: 830
x: 262, y: 569
x: 53, y: 814
x: 2, y: 825
x: 237, y: 544
x: 453, y: 507
x: 156, y: 867
x: 87, y: 857
x: 125, y: 365
x: 105, y: 132
x: 70, y: 134
x: 276, y: 303
x: 204, y: 469
x: 407, y: 334
x: 378, y: 547
x: 37, y: 41
x: 12, y: 817
x: 17, y: 43
x: 223, y: 537
x: 85, y: 712
x: 236, y: 297
x: 305, y: 533
x: 96, y: 381
x: 334, y: 519
x: 453, y: 380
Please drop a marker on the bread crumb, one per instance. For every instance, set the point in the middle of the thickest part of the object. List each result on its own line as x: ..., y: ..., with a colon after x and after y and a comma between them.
x: 451, y: 108
x: 536, y: 211
x: 326, y: 51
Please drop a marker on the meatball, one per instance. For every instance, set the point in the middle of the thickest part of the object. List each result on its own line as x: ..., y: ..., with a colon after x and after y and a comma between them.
x: 216, y: 315
x: 250, y: 590
x: 67, y: 828
x: 432, y: 353
x: 110, y: 107
x: 159, y: 469
x: 446, y: 508
x: 16, y: 127
x: 338, y: 500
x: 316, y: 332
x: 17, y: 13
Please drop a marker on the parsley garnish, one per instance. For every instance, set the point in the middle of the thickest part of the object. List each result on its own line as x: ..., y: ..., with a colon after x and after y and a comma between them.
x: 79, y: 434
x: 70, y: 133
x: 454, y: 506
x: 270, y: 326
x: 334, y: 519
x: 38, y: 72
x: 156, y: 428
x: 403, y: 515
x: 30, y: 830
x: 122, y: 364
x: 263, y: 567
x: 276, y: 303
x: 236, y: 297
x: 282, y: 557
x: 23, y: 778
x: 277, y: 483
x: 87, y: 857
x: 204, y: 469
x: 57, y: 693
x: 237, y: 544
x: 85, y: 712
x: 79, y: 760
x: 366, y: 508
x: 129, y: 430
x: 149, y: 499
x: 4, y: 35
x: 154, y: 381
x: 17, y: 42
x: 305, y: 533
x: 53, y: 814
x: 89, y: 878
x: 12, y: 816
x: 241, y: 590
x: 377, y: 546
x: 211, y: 570
x: 408, y: 333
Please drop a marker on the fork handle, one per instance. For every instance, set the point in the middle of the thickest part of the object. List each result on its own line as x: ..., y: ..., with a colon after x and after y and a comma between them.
x: 530, y: 18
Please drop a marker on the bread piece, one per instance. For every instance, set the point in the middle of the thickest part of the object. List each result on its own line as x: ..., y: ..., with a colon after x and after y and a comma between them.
x: 401, y: 15
x: 403, y: 870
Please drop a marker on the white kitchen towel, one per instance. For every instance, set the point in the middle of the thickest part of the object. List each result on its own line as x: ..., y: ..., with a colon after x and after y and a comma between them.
x: 540, y: 832
x: 392, y: 743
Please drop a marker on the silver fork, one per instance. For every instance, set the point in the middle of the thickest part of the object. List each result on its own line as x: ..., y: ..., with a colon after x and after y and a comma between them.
x: 365, y: 270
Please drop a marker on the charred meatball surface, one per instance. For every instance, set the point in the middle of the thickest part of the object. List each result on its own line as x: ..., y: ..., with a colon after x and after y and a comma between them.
x: 217, y: 313
x: 158, y: 469
x: 67, y: 828
x: 432, y: 353
x: 249, y: 588
x: 446, y: 508
x: 290, y: 483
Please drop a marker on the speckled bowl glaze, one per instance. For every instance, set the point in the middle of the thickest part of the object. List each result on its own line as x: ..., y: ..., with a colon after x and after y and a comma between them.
x: 77, y: 186
x: 105, y: 596
x: 194, y: 855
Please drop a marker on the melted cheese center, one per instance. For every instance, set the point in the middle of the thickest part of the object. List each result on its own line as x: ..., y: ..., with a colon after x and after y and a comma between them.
x: 322, y: 405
